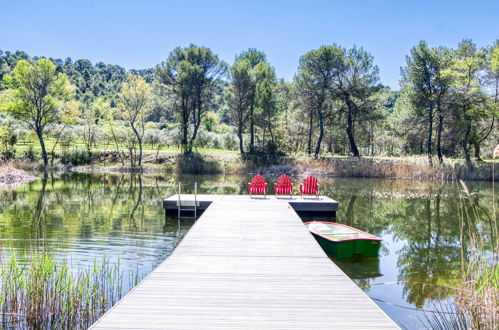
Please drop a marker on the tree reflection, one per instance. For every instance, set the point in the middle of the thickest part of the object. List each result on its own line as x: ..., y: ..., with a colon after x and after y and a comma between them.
x: 429, y: 263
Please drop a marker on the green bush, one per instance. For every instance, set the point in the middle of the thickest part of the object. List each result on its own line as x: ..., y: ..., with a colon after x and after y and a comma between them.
x: 75, y: 157
x: 8, y: 154
x: 30, y: 154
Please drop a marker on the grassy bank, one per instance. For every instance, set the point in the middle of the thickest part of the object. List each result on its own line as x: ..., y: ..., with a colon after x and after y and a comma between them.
x: 230, y: 162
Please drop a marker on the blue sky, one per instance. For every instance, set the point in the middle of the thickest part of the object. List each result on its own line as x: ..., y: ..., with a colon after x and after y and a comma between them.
x: 140, y: 34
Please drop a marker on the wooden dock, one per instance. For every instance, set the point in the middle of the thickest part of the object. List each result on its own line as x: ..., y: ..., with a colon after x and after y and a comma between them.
x: 323, y: 206
x: 246, y: 263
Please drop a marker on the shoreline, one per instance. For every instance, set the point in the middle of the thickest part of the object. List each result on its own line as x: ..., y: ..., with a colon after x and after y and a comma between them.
x: 381, y: 168
x: 12, y: 177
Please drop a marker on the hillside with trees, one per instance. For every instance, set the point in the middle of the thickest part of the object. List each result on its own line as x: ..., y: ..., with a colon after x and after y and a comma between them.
x: 67, y: 111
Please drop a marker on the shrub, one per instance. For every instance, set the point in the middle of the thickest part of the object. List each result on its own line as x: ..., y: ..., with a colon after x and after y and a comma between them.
x: 75, y: 157
x: 8, y: 154
x: 30, y: 154
x: 231, y: 142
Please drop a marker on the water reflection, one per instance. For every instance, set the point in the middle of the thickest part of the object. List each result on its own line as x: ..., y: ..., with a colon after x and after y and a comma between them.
x: 88, y: 216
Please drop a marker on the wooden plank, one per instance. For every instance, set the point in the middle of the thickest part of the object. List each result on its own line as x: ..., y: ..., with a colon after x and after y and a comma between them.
x: 246, y: 263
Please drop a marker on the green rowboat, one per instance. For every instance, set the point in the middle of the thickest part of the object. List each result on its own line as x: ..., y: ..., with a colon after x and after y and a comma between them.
x: 342, y: 241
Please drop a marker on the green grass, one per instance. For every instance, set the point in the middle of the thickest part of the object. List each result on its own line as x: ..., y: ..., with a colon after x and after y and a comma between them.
x: 79, y: 145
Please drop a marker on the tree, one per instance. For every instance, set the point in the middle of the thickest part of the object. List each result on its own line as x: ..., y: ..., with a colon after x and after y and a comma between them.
x: 355, y: 82
x: 190, y: 77
x: 442, y: 61
x: 89, y: 119
x: 468, y: 97
x: 316, y: 72
x: 253, y: 57
x: 36, y: 95
x: 491, y: 110
x: 71, y: 111
x: 135, y: 101
x: 266, y: 100
x: 419, y: 78
x: 239, y: 94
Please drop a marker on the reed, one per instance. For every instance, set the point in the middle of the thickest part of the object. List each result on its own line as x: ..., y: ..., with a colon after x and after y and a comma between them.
x: 47, y: 293
x: 476, y: 302
x: 406, y: 168
x: 478, y: 296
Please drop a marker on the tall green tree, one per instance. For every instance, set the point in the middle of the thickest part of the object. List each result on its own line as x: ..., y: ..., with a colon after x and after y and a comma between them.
x: 420, y: 77
x: 314, y: 80
x: 253, y: 58
x: 239, y: 95
x: 36, y: 95
x: 468, y: 96
x: 191, y: 77
x: 490, y: 111
x: 355, y: 82
x: 90, y: 115
x: 266, y: 101
x: 135, y: 102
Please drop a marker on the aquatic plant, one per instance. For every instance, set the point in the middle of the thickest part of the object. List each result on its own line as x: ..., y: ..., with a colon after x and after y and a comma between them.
x: 42, y: 292
x: 478, y: 297
x: 476, y: 302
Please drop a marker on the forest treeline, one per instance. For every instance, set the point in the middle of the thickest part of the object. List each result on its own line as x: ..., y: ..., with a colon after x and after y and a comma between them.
x: 447, y: 105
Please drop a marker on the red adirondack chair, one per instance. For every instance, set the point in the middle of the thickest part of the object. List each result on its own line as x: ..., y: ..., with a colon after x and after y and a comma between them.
x: 310, y: 186
x: 284, y: 186
x: 257, y: 186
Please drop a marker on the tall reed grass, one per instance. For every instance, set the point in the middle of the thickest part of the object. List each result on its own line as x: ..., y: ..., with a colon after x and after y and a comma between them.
x: 476, y: 302
x: 43, y: 292
x: 404, y: 168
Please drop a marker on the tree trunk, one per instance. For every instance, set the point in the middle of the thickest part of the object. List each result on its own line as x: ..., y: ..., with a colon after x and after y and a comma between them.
x: 321, y: 130
x: 139, y: 140
x: 252, y: 129
x: 39, y: 133
x: 477, y: 151
x: 439, y: 138
x: 240, y: 136
x: 430, y: 132
x: 272, y: 139
x: 465, y: 143
x: 310, y: 127
x: 185, y: 138
x: 353, y: 146
x: 197, y: 123
x: 140, y: 150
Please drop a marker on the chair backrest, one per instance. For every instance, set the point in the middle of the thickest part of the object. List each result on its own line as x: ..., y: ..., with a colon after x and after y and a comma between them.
x: 258, y: 180
x: 284, y: 181
x: 310, y: 184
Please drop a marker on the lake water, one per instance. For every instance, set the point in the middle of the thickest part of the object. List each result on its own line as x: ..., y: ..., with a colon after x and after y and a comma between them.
x: 83, y: 217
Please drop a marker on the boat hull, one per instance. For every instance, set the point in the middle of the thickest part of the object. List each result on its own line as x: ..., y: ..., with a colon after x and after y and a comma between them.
x: 349, y: 248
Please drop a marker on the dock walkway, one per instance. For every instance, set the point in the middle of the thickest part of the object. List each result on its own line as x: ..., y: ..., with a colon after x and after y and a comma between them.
x: 246, y: 263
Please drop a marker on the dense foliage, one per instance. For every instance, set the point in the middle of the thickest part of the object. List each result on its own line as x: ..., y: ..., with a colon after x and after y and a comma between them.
x: 447, y: 105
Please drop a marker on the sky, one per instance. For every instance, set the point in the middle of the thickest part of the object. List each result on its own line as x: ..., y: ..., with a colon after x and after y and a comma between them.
x: 140, y: 34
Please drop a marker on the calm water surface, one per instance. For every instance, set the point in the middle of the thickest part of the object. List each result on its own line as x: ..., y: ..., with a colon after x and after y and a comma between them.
x: 83, y: 217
